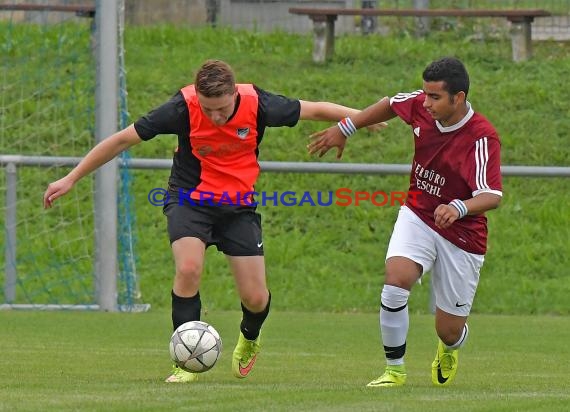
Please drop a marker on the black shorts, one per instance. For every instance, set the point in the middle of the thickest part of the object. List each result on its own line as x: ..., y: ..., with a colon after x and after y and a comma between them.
x: 234, y: 230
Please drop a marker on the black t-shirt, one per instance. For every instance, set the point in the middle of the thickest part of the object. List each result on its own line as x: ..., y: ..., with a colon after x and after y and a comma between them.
x: 172, y: 117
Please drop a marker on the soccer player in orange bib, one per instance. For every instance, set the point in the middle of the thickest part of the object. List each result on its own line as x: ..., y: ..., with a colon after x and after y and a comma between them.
x: 456, y: 170
x: 220, y: 125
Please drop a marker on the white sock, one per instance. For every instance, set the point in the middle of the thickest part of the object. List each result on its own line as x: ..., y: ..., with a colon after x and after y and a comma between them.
x: 394, y: 323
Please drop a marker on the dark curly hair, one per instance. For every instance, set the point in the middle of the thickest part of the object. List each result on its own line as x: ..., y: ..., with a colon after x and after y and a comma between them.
x: 451, y: 71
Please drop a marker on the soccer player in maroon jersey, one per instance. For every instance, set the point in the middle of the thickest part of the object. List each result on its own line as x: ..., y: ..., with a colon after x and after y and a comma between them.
x: 456, y: 169
x: 219, y: 125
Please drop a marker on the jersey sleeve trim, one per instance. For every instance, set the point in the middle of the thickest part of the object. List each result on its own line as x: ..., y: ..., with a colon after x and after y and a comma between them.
x: 494, y: 192
x: 401, y: 97
x: 481, y: 160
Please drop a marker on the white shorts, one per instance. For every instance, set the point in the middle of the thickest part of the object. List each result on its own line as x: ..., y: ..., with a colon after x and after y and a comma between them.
x: 455, y: 272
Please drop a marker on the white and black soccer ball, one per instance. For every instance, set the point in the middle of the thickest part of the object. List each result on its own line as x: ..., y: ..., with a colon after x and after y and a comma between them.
x: 195, y: 346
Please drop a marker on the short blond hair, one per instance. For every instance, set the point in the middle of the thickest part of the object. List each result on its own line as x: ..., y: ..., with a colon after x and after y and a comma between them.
x: 215, y: 78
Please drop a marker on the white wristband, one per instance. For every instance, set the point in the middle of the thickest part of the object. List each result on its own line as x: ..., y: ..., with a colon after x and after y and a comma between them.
x: 460, y: 206
x: 347, y: 127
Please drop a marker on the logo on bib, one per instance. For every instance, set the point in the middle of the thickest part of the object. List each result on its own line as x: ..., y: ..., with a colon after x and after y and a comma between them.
x: 242, y: 132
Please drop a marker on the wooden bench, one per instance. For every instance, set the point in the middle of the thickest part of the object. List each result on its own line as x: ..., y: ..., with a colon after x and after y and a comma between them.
x: 324, y: 19
x: 79, y: 10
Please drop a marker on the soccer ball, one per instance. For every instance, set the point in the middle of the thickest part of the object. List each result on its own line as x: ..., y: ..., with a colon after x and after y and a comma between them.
x: 195, y: 346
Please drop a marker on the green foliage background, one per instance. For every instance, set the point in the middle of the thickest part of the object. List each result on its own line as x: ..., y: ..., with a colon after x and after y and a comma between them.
x: 318, y: 258
x: 331, y: 258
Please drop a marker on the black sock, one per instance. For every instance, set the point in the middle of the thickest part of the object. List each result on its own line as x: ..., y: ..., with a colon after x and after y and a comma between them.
x: 251, y: 322
x: 185, y: 309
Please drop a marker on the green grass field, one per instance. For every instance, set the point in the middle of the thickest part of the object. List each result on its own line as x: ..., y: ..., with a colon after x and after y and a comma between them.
x: 309, y: 362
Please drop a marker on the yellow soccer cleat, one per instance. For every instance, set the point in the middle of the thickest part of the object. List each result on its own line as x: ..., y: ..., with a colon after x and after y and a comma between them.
x: 444, y: 366
x: 181, y: 376
x: 393, y: 376
x: 245, y: 355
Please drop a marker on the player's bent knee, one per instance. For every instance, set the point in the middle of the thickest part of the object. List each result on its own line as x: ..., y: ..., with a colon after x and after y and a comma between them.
x: 402, y: 272
x: 189, y: 268
x: 394, y: 297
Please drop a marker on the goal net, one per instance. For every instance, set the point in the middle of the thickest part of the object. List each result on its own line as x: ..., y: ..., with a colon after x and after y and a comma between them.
x: 47, y: 120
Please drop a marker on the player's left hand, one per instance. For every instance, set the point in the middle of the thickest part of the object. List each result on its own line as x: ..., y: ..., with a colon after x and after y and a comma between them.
x: 57, y: 189
x: 445, y: 215
x: 323, y: 141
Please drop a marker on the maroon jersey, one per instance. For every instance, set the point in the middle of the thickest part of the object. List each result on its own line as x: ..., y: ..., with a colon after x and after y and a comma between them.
x: 454, y: 162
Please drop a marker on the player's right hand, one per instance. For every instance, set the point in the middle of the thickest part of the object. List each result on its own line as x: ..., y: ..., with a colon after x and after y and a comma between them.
x: 325, y: 140
x: 56, y: 189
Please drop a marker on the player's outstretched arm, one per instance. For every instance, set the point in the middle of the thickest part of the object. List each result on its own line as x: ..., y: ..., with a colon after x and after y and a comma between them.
x: 325, y: 111
x: 324, y: 140
x: 328, y: 111
x: 98, y: 156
